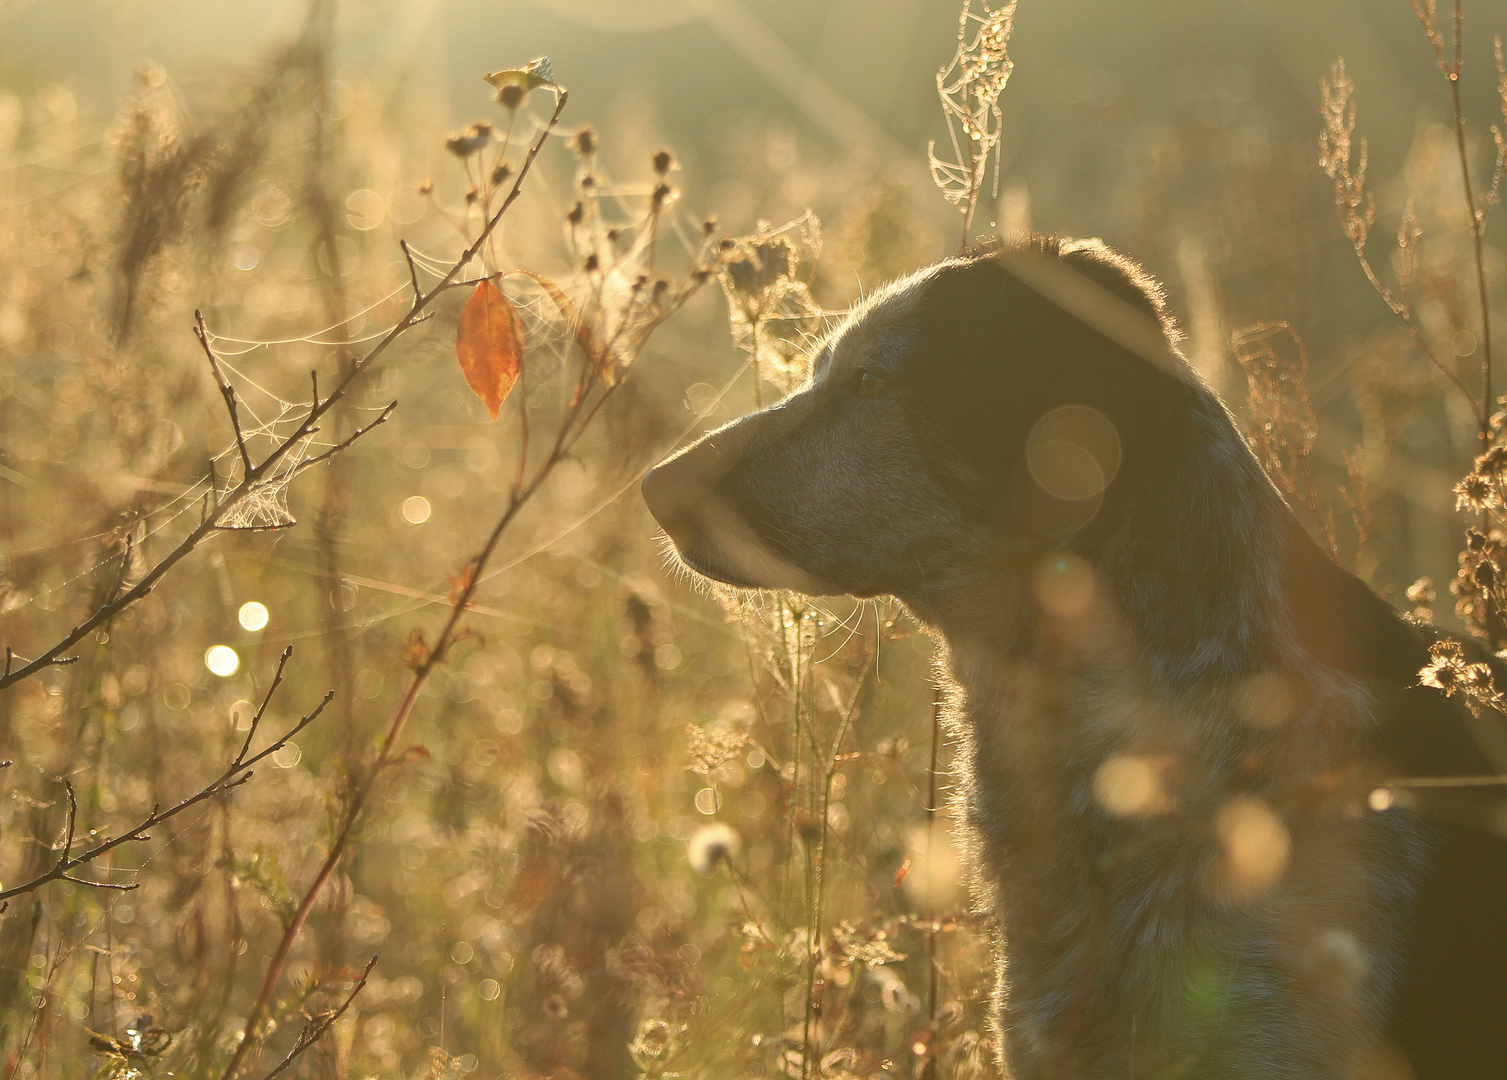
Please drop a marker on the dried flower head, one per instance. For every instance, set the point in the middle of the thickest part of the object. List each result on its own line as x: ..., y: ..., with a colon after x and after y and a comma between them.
x: 584, y: 141
x: 1449, y: 670
x: 713, y: 747
x: 473, y: 140
x: 510, y: 96
x: 662, y: 161
x: 770, y: 308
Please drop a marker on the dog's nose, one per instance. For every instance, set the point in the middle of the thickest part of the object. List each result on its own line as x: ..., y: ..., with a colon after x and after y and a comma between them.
x: 673, y: 488
x: 666, y: 492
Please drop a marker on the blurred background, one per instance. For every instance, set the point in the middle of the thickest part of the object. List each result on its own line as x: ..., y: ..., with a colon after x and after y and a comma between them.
x: 541, y: 882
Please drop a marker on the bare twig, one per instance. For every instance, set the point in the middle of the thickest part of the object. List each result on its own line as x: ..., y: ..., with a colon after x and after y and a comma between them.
x: 237, y: 773
x: 1449, y: 61
x: 316, y: 1028
x: 579, y: 412
x: 305, y: 466
x: 226, y: 391
x: 211, y: 522
x: 413, y: 270
x: 385, y: 757
x: 277, y: 680
x: 1357, y: 212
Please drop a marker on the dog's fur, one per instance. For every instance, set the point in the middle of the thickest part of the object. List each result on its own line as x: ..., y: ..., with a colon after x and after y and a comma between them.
x: 1173, y: 709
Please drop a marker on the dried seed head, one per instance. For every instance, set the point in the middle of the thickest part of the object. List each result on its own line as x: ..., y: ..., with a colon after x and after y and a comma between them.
x: 592, y: 263
x: 1474, y: 493
x: 709, y: 226
x: 577, y: 212
x: 663, y: 161
x: 473, y: 140
x: 510, y: 96
x: 759, y: 266
x: 1446, y: 669
x: 660, y: 196
x: 584, y: 142
x: 501, y: 173
x: 425, y: 187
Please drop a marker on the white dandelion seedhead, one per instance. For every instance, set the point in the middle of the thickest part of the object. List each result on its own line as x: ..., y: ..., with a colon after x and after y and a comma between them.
x: 710, y: 844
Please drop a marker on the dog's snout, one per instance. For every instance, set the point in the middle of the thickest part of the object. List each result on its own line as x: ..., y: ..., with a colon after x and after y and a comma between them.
x: 675, y: 487
x: 670, y: 489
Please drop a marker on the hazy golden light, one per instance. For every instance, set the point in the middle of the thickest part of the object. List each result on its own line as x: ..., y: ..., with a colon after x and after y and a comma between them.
x: 1256, y: 846
x: 1133, y: 785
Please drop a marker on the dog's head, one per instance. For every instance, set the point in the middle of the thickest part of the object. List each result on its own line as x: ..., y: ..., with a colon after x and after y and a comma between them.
x: 988, y: 407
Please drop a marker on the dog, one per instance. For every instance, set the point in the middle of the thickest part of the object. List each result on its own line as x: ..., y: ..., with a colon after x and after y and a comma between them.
x: 1176, y: 715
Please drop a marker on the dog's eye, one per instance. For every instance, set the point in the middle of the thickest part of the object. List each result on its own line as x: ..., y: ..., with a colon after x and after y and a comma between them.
x: 869, y: 384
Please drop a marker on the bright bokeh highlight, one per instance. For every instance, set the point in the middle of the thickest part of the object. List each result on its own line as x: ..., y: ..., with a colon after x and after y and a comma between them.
x: 416, y: 510
x: 222, y: 661
x: 253, y: 615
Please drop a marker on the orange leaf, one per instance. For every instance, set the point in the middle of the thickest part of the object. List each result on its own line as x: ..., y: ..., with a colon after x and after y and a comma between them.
x: 489, y: 343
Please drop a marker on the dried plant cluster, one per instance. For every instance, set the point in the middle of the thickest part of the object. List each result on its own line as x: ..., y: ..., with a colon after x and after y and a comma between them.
x: 970, y: 86
x: 350, y: 725
x: 1451, y: 290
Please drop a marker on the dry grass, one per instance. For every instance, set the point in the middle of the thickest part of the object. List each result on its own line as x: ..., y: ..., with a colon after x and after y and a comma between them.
x: 589, y: 822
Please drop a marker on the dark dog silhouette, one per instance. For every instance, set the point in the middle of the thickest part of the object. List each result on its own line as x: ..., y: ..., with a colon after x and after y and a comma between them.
x: 1177, y: 715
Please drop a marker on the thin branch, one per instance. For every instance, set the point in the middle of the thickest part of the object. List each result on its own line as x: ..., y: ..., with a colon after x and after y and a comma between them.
x: 304, y: 466
x: 385, y: 757
x: 277, y: 679
x: 316, y: 1029
x: 238, y: 772
x: 1476, y: 229
x: 226, y: 391
x: 1450, y: 65
x: 413, y: 270
x: 211, y: 521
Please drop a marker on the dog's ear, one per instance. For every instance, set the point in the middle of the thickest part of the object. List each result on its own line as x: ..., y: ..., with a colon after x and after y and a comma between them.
x: 1011, y: 344
x: 1120, y: 277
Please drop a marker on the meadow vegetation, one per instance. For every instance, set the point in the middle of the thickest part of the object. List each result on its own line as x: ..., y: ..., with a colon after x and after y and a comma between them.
x: 352, y: 724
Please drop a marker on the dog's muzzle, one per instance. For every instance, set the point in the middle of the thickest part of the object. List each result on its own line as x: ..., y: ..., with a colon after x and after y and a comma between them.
x: 711, y: 535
